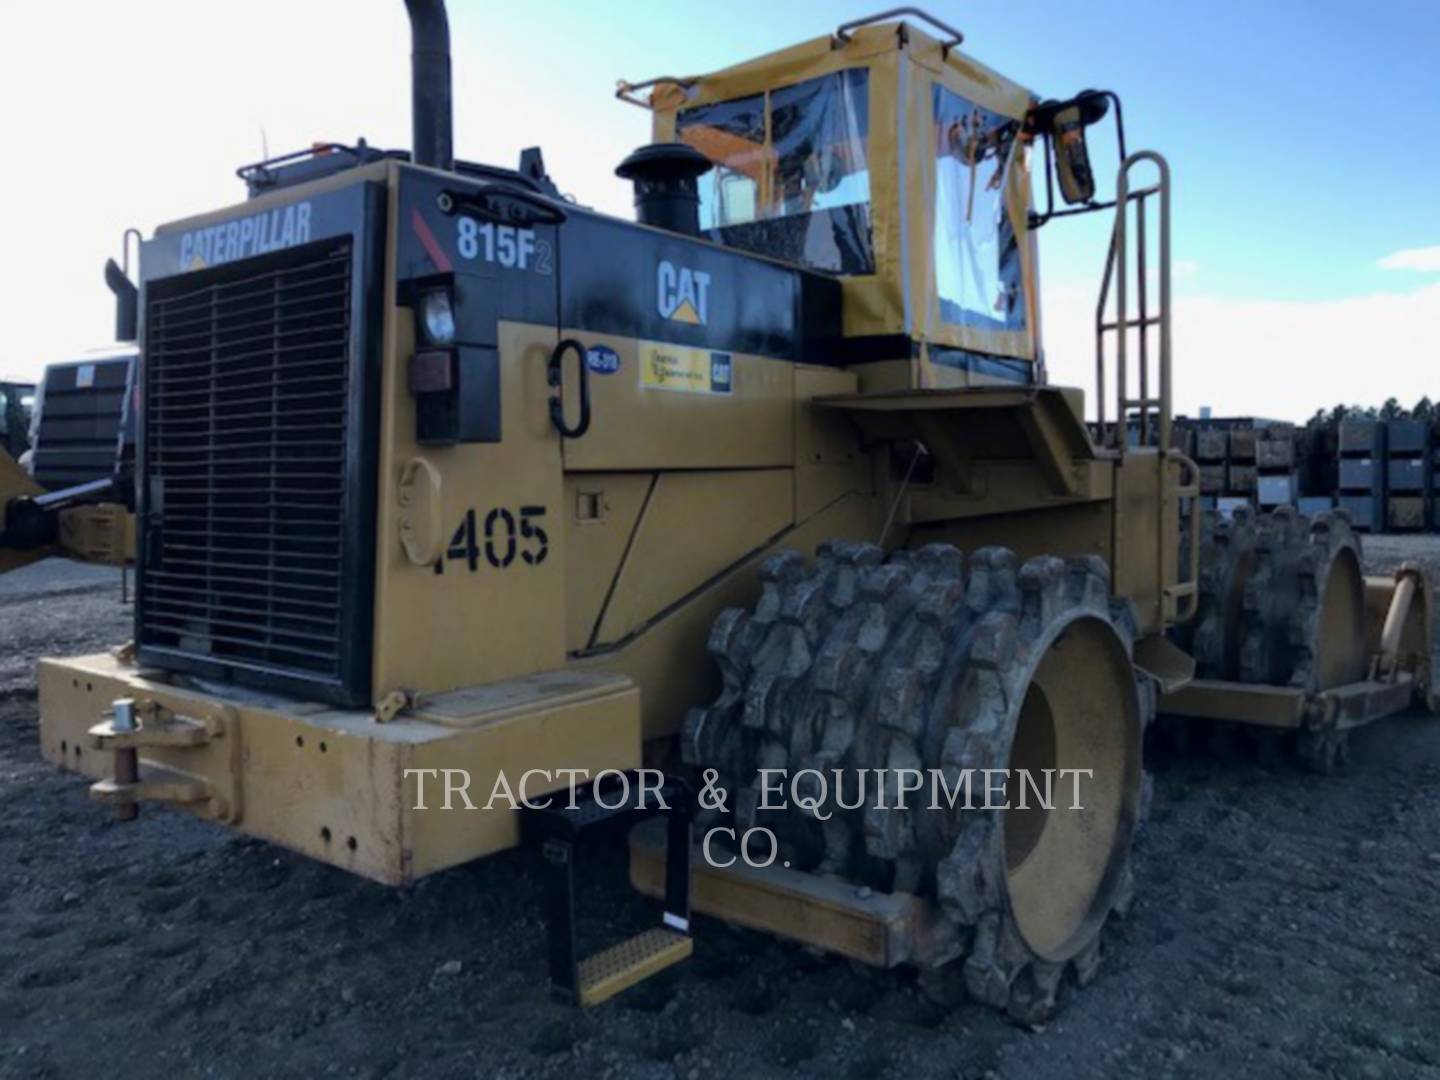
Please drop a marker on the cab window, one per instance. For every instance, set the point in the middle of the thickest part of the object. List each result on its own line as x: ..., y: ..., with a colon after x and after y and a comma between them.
x: 977, y: 254
x: 791, y: 177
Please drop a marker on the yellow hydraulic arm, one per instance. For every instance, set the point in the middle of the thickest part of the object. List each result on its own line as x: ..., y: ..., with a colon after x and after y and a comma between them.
x: 15, y: 483
x: 83, y: 522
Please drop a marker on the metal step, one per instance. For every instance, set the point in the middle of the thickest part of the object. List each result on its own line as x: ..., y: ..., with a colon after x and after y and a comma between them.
x: 559, y: 830
x: 621, y: 966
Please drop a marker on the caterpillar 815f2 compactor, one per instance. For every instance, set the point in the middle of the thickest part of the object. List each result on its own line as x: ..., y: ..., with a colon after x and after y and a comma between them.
x: 443, y: 476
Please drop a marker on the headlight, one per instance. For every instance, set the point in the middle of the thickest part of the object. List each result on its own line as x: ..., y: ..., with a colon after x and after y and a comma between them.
x: 437, y: 317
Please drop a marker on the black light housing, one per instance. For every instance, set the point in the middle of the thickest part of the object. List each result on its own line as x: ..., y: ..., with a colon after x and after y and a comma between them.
x: 435, y: 316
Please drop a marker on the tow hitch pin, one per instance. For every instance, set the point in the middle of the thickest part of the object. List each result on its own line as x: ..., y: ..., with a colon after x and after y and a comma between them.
x: 127, y: 760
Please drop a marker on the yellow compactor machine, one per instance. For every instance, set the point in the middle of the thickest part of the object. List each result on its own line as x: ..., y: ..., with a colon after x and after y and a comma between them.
x: 439, y: 470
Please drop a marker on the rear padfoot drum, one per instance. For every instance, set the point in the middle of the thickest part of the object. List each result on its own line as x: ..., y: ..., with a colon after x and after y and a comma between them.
x: 1282, y: 603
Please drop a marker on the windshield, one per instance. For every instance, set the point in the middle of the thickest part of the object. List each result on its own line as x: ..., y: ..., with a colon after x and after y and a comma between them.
x: 977, y: 255
x: 791, y: 179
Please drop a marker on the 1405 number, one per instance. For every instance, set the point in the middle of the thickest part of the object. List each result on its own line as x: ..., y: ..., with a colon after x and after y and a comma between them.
x: 500, y: 537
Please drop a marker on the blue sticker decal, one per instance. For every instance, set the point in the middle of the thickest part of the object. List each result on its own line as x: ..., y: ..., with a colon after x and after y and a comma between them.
x: 719, y: 373
x: 602, y: 360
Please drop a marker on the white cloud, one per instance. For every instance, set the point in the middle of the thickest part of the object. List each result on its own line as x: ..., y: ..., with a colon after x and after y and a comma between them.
x: 1425, y: 259
x: 1274, y: 358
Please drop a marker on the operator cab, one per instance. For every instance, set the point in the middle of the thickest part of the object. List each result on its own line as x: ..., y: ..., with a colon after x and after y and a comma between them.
x: 884, y: 156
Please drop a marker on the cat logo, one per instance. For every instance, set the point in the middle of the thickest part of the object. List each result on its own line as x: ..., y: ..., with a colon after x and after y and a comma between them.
x: 682, y: 293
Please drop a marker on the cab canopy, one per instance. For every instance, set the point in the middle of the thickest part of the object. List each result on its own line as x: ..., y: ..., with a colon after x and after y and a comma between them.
x: 886, y: 157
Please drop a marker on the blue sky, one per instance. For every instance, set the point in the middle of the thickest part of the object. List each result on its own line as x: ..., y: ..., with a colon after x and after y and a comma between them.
x: 1296, y: 130
x: 1305, y: 136
x: 1305, y: 139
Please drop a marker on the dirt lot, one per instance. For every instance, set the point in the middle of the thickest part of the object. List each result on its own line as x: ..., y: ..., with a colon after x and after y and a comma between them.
x: 1284, y: 926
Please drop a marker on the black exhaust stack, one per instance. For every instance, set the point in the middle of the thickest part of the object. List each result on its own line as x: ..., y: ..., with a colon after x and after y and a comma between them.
x: 666, y: 193
x: 127, y: 302
x: 430, y: 84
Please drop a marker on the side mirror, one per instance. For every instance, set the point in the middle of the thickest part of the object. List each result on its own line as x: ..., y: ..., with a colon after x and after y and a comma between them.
x: 1063, y: 123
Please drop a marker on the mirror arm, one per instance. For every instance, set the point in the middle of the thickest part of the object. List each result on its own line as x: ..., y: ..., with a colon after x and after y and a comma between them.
x: 1037, y: 221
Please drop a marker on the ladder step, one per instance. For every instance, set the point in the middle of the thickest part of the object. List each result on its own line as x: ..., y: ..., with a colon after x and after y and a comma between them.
x: 1133, y: 324
x: 1143, y: 193
x: 621, y: 966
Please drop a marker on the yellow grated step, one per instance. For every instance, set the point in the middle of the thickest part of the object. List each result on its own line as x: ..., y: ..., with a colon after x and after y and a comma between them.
x: 621, y: 966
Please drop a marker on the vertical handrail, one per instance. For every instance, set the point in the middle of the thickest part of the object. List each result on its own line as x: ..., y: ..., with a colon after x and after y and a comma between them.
x: 1101, y: 430
x: 1122, y: 309
x: 1141, y: 269
x: 1166, y: 408
x: 1183, y: 594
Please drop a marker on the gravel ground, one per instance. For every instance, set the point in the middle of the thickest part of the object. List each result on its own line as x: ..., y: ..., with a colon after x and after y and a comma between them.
x: 1284, y: 926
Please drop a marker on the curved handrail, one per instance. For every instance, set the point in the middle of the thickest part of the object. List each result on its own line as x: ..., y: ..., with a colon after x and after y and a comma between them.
x: 625, y: 90
x: 1116, y: 267
x: 843, y: 31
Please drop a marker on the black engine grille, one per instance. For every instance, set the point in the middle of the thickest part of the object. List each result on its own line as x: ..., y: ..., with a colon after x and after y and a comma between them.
x: 247, y: 412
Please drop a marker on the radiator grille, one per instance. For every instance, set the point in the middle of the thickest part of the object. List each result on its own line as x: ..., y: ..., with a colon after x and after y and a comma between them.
x: 247, y: 384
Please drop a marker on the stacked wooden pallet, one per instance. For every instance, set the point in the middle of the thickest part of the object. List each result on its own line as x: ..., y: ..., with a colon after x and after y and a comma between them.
x: 1408, y: 475
x: 1362, y: 473
x: 1276, y: 482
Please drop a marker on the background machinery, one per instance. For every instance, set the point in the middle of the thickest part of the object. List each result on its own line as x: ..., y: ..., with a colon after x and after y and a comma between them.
x: 438, y: 470
x: 74, y: 492
x: 17, y: 404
